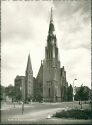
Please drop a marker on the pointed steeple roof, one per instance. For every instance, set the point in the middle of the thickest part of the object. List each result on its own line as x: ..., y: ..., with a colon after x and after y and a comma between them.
x: 51, y: 17
x: 29, y: 66
x: 51, y: 25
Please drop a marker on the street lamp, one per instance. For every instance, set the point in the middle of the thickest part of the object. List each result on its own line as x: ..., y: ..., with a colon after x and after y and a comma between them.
x: 73, y: 89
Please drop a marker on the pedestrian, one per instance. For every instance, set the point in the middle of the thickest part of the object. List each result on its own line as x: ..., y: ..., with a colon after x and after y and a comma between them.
x: 22, y: 107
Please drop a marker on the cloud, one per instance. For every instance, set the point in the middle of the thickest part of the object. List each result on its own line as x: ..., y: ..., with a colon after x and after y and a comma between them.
x: 25, y: 28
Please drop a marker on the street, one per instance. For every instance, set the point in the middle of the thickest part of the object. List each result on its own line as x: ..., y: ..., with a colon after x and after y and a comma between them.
x: 38, y: 113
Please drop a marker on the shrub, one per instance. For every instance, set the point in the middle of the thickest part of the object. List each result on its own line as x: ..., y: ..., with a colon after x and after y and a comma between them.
x: 76, y: 114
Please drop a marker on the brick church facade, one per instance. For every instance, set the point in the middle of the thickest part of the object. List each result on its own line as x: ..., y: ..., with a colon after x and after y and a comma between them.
x: 50, y: 85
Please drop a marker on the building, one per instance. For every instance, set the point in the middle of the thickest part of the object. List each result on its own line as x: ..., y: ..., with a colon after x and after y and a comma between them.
x: 50, y: 85
x: 29, y: 80
x: 64, y: 84
x: 24, y: 84
x: 38, y: 86
x: 51, y: 78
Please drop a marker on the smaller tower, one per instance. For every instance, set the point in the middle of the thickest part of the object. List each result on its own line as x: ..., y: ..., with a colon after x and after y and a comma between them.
x: 29, y: 80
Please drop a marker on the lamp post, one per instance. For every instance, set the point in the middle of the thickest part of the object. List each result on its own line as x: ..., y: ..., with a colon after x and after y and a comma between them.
x: 73, y: 89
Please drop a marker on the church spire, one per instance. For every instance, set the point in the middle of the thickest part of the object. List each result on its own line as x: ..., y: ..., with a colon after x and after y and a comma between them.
x: 51, y: 25
x: 51, y: 49
x: 29, y: 66
x: 51, y: 17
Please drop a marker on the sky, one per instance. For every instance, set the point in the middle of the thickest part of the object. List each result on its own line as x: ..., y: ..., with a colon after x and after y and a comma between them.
x: 24, y: 30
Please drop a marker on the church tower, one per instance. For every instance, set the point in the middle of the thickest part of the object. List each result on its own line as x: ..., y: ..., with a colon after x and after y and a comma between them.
x: 51, y: 66
x: 51, y: 51
x: 29, y: 80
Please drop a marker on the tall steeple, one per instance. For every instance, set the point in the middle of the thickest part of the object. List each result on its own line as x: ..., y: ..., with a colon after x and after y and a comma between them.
x: 29, y: 66
x: 51, y: 17
x: 51, y: 25
x: 51, y: 51
x: 29, y: 79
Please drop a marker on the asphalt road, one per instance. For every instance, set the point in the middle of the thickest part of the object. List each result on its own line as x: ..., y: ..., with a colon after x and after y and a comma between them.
x: 38, y: 113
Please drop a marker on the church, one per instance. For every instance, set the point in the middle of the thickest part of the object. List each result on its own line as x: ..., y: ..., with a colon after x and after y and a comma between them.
x: 50, y: 85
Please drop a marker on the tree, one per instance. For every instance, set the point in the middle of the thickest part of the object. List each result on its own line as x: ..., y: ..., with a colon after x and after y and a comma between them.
x: 70, y: 93
x: 90, y: 97
x: 38, y: 96
x: 82, y: 94
x: 86, y: 93
x: 10, y: 92
x: 18, y: 93
x: 2, y: 92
